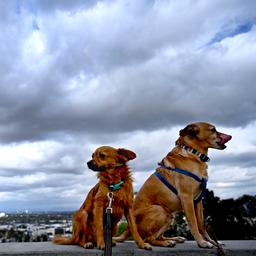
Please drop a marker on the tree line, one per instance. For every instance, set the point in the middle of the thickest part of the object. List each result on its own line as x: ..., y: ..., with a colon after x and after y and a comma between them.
x: 227, y: 219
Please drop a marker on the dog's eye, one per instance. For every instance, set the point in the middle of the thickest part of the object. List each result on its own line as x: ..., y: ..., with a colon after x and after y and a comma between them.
x: 102, y: 155
x: 213, y: 129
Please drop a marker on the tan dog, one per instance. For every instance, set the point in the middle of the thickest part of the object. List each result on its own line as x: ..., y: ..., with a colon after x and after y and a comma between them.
x: 177, y: 185
x: 114, y: 175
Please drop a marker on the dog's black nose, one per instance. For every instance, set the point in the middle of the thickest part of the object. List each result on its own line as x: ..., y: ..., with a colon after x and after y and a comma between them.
x: 93, y: 166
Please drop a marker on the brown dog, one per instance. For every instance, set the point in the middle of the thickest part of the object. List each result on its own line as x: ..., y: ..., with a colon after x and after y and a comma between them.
x: 178, y: 185
x: 114, y: 175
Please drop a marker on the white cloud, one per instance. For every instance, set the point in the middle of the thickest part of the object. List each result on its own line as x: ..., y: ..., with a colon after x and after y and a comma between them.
x: 79, y: 74
x: 27, y: 155
x: 34, y: 48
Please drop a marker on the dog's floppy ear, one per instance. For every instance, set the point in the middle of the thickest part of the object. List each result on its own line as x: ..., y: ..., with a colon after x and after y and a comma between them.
x: 127, y: 154
x: 191, y: 130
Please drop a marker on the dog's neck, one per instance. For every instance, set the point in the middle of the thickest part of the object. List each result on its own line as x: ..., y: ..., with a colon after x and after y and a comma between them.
x: 115, y: 176
x: 202, y: 157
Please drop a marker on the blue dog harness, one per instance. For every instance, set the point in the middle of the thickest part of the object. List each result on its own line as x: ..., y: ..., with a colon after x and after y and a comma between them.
x: 202, y: 181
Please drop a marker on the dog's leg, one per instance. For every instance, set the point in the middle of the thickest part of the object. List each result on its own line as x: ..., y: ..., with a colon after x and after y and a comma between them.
x: 177, y: 239
x: 188, y: 206
x: 158, y: 239
x: 133, y: 228
x: 201, y: 224
x: 98, y: 222
x: 80, y: 229
x: 152, y: 221
x: 85, y: 234
x: 114, y: 231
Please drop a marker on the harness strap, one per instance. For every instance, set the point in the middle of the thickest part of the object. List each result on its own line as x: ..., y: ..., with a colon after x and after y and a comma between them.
x: 202, y: 181
x: 166, y: 183
x: 184, y: 172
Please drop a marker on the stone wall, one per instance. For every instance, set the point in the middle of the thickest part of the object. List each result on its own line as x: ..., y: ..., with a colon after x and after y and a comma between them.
x: 232, y: 248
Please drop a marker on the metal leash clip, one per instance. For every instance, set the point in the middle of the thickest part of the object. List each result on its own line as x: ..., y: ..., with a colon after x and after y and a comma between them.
x: 110, y: 200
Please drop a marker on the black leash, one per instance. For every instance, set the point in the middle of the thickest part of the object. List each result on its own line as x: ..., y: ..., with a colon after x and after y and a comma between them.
x: 108, y: 231
x: 220, y: 250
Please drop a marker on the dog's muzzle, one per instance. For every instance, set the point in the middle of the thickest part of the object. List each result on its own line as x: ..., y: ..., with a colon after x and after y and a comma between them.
x: 93, y: 166
x: 224, y: 138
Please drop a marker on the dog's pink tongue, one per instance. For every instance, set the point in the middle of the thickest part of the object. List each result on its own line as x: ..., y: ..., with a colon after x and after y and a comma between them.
x: 225, y: 138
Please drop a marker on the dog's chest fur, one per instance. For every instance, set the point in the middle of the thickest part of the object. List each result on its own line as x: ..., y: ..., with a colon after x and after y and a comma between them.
x: 122, y: 198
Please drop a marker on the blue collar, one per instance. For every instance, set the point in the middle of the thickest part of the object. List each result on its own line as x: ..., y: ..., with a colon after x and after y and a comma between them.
x: 117, y: 186
x: 202, y: 181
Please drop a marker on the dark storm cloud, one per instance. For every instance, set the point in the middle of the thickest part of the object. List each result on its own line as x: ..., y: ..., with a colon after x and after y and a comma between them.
x: 124, y: 78
x: 78, y: 74
x: 243, y: 160
x: 10, y: 172
x: 146, y: 97
x: 53, y: 181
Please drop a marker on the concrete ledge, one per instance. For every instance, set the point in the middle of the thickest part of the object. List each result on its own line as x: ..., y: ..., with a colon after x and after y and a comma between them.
x: 232, y: 248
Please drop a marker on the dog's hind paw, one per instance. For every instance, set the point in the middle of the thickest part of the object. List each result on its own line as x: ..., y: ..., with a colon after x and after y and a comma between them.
x: 119, y: 239
x: 169, y: 243
x: 179, y: 239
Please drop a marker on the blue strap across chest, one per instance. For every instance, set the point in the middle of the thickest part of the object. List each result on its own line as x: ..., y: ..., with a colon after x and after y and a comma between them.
x: 202, y: 181
x: 166, y: 183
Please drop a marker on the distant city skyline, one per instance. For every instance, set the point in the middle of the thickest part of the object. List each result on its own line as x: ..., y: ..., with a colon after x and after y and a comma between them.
x: 76, y: 75
x: 34, y: 227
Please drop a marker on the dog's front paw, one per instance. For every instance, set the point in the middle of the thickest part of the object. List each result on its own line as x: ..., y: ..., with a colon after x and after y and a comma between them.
x: 88, y: 245
x: 101, y: 244
x: 145, y: 246
x: 114, y: 243
x: 204, y: 244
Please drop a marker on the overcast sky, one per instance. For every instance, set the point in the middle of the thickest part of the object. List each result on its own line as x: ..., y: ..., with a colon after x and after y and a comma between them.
x: 75, y: 75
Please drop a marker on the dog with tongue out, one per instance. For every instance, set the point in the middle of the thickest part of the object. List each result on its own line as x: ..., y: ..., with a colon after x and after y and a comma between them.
x: 178, y: 184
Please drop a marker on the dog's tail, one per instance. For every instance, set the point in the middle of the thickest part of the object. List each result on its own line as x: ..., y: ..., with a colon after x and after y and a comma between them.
x: 124, y: 236
x: 64, y: 240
